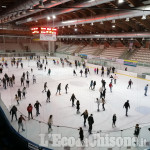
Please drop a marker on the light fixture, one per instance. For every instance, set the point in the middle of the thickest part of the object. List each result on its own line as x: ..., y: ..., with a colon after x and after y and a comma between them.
x: 82, y: 25
x: 75, y: 29
x: 24, y: 12
x: 120, y: 1
x: 3, y: 6
x: 54, y: 17
x: 143, y: 38
x: 127, y: 19
x: 69, y: 26
x: 31, y: 8
x: 121, y: 38
x: 63, y: 27
x: 36, y: 21
x: 48, y: 18
x: 143, y: 17
x: 101, y: 22
x: 113, y: 26
x: 75, y: 25
x: 92, y: 24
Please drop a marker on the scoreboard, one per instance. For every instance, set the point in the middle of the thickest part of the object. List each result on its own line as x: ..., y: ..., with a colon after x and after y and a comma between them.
x: 44, y: 33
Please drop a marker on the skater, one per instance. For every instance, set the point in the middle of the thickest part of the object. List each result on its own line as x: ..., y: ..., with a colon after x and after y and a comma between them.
x: 78, y: 106
x: 85, y: 115
x: 81, y: 72
x: 13, y: 112
x: 115, y: 78
x: 129, y: 84
x: 34, y: 79
x: 94, y: 84
x: 111, y: 77
x: 114, y: 118
x: 20, y: 123
x: 127, y: 106
x: 97, y: 70
x: 91, y: 122
x: 48, y: 95
x: 27, y: 82
x: 21, y: 65
x: 36, y: 106
x: 137, y: 132
x: 19, y: 94
x: 74, y: 73
x: 73, y: 99
x: 103, y: 103
x: 29, y: 109
x: 113, y: 69
x: 146, y: 89
x: 104, y: 93
x: 66, y: 88
x: 58, y: 88
x: 81, y: 135
x: 31, y: 70
x: 24, y: 92
x: 27, y: 74
x: 22, y: 81
x: 86, y: 72
x: 103, y: 83
x: 50, y: 122
x: 110, y: 86
x: 91, y: 85
x: 108, y: 72
x: 101, y: 91
x: 49, y: 71
x: 45, y: 86
x: 98, y: 103
x: 17, y: 99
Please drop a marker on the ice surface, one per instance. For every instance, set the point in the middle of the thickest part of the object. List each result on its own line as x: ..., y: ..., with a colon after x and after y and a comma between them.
x: 60, y: 106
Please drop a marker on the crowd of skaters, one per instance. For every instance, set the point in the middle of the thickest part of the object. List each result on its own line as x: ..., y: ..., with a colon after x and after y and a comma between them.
x: 9, y: 81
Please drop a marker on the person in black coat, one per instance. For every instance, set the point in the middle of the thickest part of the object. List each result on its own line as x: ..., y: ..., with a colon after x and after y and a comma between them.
x: 81, y: 135
x: 114, y: 118
x: 72, y: 99
x: 48, y: 95
x: 137, y: 132
x: 37, y: 105
x: 104, y: 93
x: 78, y: 106
x: 59, y: 88
x: 85, y: 115
x: 94, y: 84
x: 127, y: 106
x: 81, y: 72
x: 13, y: 112
x: 19, y: 94
x: 91, y: 122
x: 66, y: 88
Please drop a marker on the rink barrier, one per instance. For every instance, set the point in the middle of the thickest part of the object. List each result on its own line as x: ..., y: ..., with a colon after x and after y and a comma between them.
x: 25, y: 143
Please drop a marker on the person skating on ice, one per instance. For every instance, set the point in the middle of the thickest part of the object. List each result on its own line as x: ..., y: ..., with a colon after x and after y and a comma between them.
x: 48, y: 96
x: 104, y: 93
x: 115, y: 78
x: 91, y: 85
x: 97, y: 70
x: 137, y: 132
x: 111, y: 78
x: 49, y: 71
x: 81, y: 72
x: 86, y: 72
x: 45, y: 86
x: 34, y: 79
x: 50, y: 122
x: 66, y: 88
x: 36, y: 106
x: 90, y: 122
x: 19, y: 94
x: 103, y: 104
x: 27, y: 82
x: 74, y: 73
x: 13, y: 112
x: 17, y: 99
x: 29, y: 109
x: 24, y: 91
x: 58, y: 88
x: 73, y: 98
x: 98, y: 103
x: 110, y: 86
x: 81, y: 135
x: 146, y: 89
x: 127, y: 106
x: 114, y: 119
x: 129, y: 84
x: 85, y: 116
x: 94, y: 84
x: 20, y: 123
x: 78, y: 106
x: 101, y: 91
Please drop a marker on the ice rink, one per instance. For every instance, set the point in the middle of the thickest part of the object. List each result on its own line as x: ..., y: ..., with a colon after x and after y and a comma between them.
x: 61, y: 107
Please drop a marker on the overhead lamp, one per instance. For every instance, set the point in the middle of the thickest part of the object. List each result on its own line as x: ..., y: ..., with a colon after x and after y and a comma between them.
x: 120, y: 1
x: 127, y: 19
x: 54, y: 17
x: 75, y: 25
x: 82, y: 25
x: 63, y: 27
x: 48, y: 18
x: 3, y: 6
x: 121, y: 38
x: 92, y: 24
x: 31, y: 8
x: 143, y: 17
x: 143, y: 38
x: 36, y: 21
x: 113, y: 26
x: 101, y: 22
x: 75, y: 29
x: 69, y: 26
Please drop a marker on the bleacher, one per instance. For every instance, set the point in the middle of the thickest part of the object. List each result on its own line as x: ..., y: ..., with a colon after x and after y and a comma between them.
x: 89, y: 50
x: 33, y: 46
x: 141, y: 55
x: 10, y: 47
x: 72, y: 49
x: 63, y: 48
x: 113, y: 52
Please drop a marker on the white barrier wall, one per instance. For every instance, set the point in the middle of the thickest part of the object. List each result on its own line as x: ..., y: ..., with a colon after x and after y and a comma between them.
x: 147, y: 77
x: 127, y: 73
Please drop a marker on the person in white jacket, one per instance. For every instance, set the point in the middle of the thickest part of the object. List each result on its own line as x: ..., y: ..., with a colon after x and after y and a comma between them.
x: 101, y: 91
x: 98, y: 101
x: 50, y: 122
x: 115, y: 78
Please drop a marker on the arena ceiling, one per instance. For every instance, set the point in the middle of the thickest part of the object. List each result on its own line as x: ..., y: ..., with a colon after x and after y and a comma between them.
x: 75, y: 17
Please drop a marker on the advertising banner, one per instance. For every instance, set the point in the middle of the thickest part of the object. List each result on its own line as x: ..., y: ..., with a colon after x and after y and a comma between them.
x: 130, y: 63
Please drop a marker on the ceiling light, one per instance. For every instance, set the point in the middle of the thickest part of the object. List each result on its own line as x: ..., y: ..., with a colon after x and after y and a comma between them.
x: 92, y: 24
x: 69, y: 26
x: 82, y: 25
x: 75, y: 25
x: 63, y: 27
x: 113, y: 26
x: 31, y: 8
x: 127, y: 19
x: 54, y: 17
x: 75, y: 29
x: 120, y: 1
x: 48, y: 18
x: 143, y: 38
x: 36, y: 21
x: 101, y: 22
x: 143, y: 17
x: 113, y: 21
x: 3, y: 6
x: 121, y: 38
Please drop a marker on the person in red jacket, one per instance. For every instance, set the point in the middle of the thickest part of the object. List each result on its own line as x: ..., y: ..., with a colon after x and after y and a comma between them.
x: 29, y: 109
x: 110, y: 86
